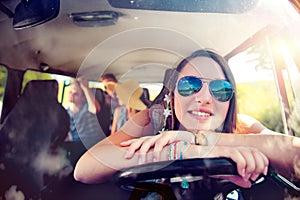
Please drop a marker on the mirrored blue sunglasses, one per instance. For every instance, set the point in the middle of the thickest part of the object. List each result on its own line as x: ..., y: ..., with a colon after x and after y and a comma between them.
x: 221, y: 90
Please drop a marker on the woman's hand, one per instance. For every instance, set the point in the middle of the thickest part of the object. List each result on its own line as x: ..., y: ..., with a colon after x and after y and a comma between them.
x: 83, y: 82
x: 157, y: 142
x: 250, y: 163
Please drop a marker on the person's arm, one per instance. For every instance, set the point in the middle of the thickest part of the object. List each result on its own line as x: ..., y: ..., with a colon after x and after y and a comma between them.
x: 115, y: 121
x: 93, y: 104
x: 283, y: 151
x: 247, y: 124
x: 104, y: 158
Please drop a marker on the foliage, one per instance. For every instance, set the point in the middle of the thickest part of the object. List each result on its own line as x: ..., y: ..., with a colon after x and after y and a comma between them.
x: 3, y: 73
x: 29, y: 75
x: 260, y: 100
x: 260, y: 55
x: 294, y: 120
x: 35, y: 75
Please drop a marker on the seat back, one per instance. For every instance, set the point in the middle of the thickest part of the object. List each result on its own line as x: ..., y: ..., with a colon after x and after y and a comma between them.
x: 105, y: 115
x: 36, y: 126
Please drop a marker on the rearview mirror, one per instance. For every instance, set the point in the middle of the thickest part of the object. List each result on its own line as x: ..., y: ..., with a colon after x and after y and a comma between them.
x: 29, y: 13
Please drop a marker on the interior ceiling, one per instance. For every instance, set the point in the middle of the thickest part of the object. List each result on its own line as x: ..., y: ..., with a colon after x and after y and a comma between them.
x: 139, y: 40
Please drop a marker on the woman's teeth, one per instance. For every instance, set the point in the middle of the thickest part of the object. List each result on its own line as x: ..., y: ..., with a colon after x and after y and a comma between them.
x: 202, y: 114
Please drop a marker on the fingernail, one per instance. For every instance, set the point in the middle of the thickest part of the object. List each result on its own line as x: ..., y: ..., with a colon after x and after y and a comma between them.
x: 243, y: 173
x: 127, y: 154
x: 254, y: 177
x: 248, y: 176
x: 154, y: 159
x: 266, y: 170
x: 140, y: 161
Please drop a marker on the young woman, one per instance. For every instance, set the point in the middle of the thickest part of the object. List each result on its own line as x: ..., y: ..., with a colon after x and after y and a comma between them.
x: 129, y: 93
x: 201, y: 97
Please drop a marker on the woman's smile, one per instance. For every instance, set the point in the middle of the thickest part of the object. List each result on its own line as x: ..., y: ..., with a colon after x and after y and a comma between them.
x: 201, y: 114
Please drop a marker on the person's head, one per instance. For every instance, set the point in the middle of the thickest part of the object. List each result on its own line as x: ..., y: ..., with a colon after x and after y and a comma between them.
x: 200, y: 97
x: 108, y: 77
x: 129, y: 93
x: 109, y: 81
x: 76, y: 94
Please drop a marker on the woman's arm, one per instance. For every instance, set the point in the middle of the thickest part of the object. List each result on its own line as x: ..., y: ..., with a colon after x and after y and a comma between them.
x: 107, y: 156
x: 104, y: 159
x: 246, y: 124
x: 282, y: 151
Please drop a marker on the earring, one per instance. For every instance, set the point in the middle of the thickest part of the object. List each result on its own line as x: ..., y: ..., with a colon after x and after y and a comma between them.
x: 167, y: 110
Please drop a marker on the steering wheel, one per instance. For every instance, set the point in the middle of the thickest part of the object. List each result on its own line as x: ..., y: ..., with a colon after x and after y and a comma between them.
x: 142, y: 178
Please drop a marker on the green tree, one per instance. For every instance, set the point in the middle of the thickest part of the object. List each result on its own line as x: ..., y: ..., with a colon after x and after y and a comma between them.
x: 259, y: 100
x: 3, y: 74
x: 260, y: 55
x: 294, y: 120
x: 35, y: 75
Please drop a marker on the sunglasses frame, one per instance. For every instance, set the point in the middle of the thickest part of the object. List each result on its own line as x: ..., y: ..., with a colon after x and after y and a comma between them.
x: 208, y: 81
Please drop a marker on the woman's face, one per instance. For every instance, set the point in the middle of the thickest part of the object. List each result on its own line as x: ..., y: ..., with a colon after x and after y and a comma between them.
x: 200, y: 111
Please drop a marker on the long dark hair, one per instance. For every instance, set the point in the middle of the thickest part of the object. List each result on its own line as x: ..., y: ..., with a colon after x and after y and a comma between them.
x: 169, y: 86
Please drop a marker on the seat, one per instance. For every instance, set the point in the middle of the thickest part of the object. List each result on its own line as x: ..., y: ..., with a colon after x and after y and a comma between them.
x: 105, y: 115
x: 33, y: 130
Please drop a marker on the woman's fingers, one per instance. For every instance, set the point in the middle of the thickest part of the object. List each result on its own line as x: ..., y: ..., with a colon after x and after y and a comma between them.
x: 127, y: 142
x: 144, y: 144
x: 145, y: 148
x: 239, y: 159
x: 134, y: 146
x: 234, y: 154
x: 261, y: 165
x: 250, y: 162
x: 256, y: 161
x: 159, y: 145
x: 157, y: 150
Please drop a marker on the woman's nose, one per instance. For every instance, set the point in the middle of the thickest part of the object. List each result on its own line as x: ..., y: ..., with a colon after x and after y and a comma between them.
x: 204, y: 95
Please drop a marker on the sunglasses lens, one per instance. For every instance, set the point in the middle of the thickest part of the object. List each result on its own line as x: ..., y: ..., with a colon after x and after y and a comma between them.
x: 222, y: 90
x: 188, y: 85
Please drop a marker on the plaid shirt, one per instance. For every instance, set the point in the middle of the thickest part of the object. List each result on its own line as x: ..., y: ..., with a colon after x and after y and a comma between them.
x: 84, y: 126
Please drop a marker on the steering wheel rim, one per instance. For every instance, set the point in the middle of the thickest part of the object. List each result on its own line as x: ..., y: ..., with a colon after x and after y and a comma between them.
x: 176, y: 168
x: 139, y: 176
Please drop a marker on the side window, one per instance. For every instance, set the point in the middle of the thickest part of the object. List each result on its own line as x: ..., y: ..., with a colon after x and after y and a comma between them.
x: 292, y: 74
x: 256, y: 87
x: 267, y: 79
x: 3, y: 76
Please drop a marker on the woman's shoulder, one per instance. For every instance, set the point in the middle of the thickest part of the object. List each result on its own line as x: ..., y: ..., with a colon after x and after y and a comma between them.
x: 246, y: 124
x: 142, y: 118
x: 148, y: 116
